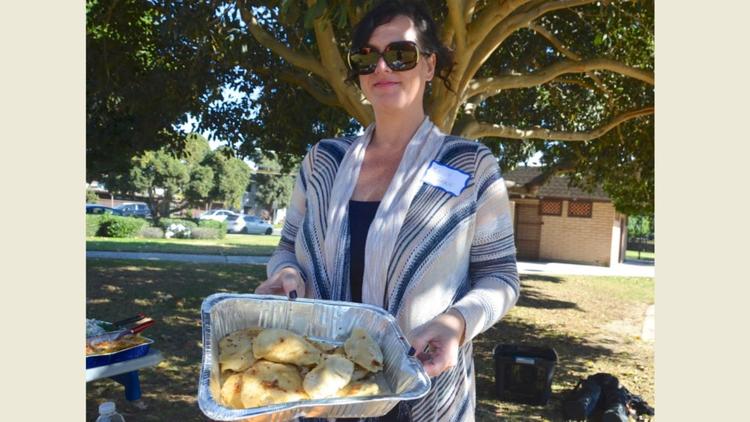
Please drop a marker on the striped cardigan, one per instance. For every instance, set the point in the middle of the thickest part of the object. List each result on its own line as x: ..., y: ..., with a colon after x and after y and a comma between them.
x: 451, y: 252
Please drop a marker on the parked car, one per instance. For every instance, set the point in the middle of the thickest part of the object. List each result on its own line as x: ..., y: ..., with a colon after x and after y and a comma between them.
x: 134, y: 209
x: 248, y: 224
x: 217, y: 215
x: 101, y: 209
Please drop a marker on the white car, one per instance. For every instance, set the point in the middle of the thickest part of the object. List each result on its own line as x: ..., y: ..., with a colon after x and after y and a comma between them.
x: 248, y: 224
x: 217, y: 215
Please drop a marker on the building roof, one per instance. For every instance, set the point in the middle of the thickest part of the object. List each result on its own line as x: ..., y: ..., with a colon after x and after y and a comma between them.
x: 555, y: 187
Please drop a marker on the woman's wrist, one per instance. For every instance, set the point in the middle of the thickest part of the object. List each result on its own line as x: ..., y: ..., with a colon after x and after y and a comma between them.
x: 458, y: 323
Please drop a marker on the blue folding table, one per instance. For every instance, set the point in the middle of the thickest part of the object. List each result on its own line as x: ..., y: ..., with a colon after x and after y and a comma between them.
x: 126, y: 373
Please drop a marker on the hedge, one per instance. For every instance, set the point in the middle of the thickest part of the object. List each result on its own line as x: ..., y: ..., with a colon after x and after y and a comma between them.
x: 93, y: 221
x: 220, y: 226
x: 116, y: 226
x: 152, y: 233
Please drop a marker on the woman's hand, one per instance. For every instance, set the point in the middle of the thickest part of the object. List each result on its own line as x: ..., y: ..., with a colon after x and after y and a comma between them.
x: 443, y: 334
x: 287, y: 281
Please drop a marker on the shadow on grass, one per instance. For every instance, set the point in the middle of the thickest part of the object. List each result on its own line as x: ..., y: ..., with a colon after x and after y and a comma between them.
x: 535, y: 277
x: 233, y: 249
x: 533, y: 298
x: 172, y: 294
x: 574, y: 357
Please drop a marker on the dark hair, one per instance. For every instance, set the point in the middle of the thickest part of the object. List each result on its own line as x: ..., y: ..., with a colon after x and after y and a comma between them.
x: 427, y: 33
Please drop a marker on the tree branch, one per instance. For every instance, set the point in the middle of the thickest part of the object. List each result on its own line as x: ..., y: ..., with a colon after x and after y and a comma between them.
x: 539, y: 29
x: 492, y: 85
x: 476, y: 130
x: 303, y: 82
x: 337, y: 70
x: 296, y: 58
x: 532, y: 186
x: 489, y: 16
x: 456, y: 17
x: 487, y: 45
x: 469, y: 8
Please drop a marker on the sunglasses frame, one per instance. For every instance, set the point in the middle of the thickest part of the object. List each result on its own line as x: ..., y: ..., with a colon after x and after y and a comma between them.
x: 381, y: 55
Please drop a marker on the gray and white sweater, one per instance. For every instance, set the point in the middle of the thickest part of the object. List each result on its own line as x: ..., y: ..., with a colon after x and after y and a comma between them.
x: 451, y: 251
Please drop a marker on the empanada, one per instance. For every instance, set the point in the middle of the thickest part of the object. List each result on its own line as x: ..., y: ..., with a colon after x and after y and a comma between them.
x: 359, y: 373
x: 361, y: 349
x: 360, y: 388
x: 235, y: 350
x: 323, y: 347
x: 328, y: 377
x: 270, y: 383
x: 230, y: 391
x: 284, y: 346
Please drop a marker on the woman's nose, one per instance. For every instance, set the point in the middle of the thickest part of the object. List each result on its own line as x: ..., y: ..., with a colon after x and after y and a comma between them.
x: 381, y: 66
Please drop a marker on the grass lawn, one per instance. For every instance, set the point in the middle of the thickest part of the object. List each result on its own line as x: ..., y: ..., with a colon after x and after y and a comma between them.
x: 232, y: 244
x: 593, y: 322
x: 648, y: 256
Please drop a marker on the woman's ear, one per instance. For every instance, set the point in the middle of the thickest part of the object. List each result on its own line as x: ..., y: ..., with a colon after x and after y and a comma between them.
x: 431, y: 62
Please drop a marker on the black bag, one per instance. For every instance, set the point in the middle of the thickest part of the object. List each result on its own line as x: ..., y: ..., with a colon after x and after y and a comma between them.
x: 602, y: 394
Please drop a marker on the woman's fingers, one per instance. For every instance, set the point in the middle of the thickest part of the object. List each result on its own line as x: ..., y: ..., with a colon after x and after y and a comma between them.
x: 284, y: 282
x: 267, y: 288
x: 436, y: 360
x: 293, y: 286
x: 442, y: 352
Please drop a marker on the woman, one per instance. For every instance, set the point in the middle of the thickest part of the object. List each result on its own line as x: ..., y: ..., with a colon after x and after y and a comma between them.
x: 404, y: 217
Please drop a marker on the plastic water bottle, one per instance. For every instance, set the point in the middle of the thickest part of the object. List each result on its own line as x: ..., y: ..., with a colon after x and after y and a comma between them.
x: 108, y: 413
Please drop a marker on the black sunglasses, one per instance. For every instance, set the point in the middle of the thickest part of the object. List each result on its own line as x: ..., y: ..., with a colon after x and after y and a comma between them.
x: 398, y: 55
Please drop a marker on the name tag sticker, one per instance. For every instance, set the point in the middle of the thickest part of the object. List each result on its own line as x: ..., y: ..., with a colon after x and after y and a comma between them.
x: 447, y: 178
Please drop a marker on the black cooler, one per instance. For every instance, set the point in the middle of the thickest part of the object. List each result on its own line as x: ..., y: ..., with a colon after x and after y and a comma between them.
x: 523, y: 374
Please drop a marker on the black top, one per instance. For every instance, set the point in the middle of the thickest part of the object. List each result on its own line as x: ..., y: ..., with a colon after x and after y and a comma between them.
x: 361, y: 214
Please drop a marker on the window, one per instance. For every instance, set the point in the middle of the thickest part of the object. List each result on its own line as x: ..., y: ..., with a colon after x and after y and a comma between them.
x: 581, y: 209
x: 550, y: 207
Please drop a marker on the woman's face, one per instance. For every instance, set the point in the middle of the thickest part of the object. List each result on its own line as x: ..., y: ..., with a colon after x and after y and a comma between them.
x: 387, y: 89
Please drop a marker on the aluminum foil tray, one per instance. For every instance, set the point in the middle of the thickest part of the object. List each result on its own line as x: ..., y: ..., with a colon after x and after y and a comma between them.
x: 327, y: 321
x: 132, y: 352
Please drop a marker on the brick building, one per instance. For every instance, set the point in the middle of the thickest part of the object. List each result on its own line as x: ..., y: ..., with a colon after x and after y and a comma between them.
x: 566, y: 224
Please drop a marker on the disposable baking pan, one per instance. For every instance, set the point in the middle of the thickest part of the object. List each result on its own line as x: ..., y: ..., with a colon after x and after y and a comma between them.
x: 327, y: 321
x: 133, y: 352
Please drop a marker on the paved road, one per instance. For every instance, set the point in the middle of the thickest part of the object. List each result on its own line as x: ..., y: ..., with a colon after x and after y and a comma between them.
x: 629, y: 269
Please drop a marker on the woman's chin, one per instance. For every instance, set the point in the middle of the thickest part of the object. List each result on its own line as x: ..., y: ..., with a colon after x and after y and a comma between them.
x: 391, y: 103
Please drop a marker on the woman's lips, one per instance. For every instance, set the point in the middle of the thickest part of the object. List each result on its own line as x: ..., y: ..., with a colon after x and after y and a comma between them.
x: 384, y: 84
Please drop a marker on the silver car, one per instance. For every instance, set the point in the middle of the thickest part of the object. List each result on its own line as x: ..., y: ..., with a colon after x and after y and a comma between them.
x: 248, y: 224
x: 217, y: 215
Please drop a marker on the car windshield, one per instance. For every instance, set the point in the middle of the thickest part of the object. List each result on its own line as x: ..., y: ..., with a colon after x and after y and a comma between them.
x: 232, y: 217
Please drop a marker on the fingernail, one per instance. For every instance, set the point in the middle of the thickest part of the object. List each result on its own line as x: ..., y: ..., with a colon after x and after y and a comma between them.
x: 411, y: 351
x: 293, y: 295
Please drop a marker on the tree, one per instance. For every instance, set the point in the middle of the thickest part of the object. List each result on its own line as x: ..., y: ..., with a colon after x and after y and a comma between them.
x: 193, y: 176
x: 148, y: 63
x: 640, y: 227
x: 231, y: 176
x: 91, y: 197
x: 274, y: 187
x: 572, y: 79
x: 154, y: 170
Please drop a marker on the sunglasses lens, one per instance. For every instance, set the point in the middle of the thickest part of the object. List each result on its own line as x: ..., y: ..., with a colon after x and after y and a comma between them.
x: 401, y: 56
x: 364, y: 61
